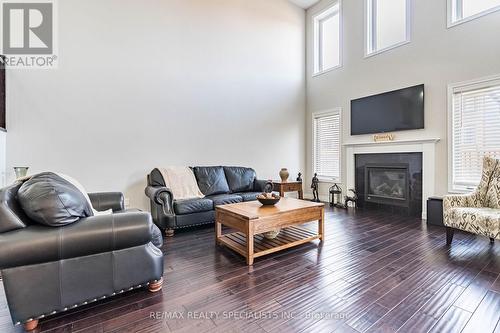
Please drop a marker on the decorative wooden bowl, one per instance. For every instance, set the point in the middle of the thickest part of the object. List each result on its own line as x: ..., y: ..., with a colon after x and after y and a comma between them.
x: 269, y: 202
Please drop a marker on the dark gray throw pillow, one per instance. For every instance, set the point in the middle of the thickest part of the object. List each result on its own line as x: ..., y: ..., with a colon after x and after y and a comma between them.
x: 51, y: 200
x: 211, y: 180
x: 240, y: 179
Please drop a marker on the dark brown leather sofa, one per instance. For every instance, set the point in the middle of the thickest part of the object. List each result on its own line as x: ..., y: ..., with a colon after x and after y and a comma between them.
x: 220, y: 184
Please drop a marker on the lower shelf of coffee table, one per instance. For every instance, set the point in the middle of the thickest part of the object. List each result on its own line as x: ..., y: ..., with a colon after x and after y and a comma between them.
x: 287, y: 238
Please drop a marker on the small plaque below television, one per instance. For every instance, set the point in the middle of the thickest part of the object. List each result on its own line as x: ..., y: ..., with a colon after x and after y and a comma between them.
x: 397, y: 110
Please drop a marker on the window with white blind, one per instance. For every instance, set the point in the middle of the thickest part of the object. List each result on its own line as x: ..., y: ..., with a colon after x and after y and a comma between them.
x: 326, y: 145
x: 387, y: 25
x: 474, y: 130
x: 460, y: 11
x: 327, y: 39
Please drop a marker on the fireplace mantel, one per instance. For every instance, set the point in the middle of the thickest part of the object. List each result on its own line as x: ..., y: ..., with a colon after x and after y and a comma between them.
x: 426, y: 146
x: 398, y: 142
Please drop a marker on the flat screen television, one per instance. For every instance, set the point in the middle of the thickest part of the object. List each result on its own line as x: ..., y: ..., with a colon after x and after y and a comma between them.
x: 397, y: 110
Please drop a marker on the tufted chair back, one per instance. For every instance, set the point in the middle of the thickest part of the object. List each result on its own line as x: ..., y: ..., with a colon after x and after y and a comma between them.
x: 489, y: 166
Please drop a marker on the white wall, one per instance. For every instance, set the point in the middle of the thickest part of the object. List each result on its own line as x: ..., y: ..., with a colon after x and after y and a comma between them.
x: 149, y: 83
x: 436, y: 57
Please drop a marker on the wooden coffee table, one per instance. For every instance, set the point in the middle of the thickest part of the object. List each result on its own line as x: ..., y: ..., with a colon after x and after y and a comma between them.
x: 251, y: 219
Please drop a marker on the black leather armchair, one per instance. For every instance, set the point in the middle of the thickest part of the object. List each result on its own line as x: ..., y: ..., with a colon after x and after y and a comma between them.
x: 47, y: 270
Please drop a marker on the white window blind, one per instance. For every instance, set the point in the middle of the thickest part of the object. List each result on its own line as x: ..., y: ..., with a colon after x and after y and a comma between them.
x: 326, y: 142
x: 475, y: 130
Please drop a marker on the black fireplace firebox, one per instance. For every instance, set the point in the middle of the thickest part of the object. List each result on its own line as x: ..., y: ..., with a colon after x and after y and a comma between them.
x: 390, y: 181
x: 387, y: 184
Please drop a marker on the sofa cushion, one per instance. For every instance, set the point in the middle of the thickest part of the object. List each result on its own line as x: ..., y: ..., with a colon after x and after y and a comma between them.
x: 224, y: 199
x: 240, y: 179
x: 51, y: 200
x: 248, y: 196
x: 211, y: 180
x: 481, y: 221
x: 189, y: 206
x: 157, y: 238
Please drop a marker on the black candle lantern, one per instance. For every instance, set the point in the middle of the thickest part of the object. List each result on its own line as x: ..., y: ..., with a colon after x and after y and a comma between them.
x: 336, y: 196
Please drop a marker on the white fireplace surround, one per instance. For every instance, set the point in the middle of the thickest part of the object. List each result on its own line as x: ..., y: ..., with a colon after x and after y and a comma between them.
x: 425, y: 146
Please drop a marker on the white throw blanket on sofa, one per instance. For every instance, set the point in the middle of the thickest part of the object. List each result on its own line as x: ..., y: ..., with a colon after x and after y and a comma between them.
x: 182, y: 182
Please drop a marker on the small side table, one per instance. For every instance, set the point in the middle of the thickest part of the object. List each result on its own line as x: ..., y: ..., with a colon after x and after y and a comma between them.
x: 435, y: 211
x: 293, y: 186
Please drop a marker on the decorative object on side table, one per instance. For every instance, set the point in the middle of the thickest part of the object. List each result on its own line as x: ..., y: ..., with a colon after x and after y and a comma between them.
x: 314, y: 187
x: 299, y: 177
x: 284, y: 174
x: 351, y: 198
x: 336, y: 196
x: 21, y: 172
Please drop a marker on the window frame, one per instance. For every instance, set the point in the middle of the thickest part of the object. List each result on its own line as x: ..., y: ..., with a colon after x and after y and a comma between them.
x: 370, y: 31
x: 316, y: 19
x: 477, y: 84
x: 452, y: 15
x: 325, y: 113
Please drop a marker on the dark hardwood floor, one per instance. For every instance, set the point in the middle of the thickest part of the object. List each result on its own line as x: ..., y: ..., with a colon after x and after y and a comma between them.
x: 375, y: 272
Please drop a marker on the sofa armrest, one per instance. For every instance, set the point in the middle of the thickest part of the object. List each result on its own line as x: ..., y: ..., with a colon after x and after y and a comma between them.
x: 107, y: 200
x: 88, y: 236
x: 260, y: 185
x: 162, y: 196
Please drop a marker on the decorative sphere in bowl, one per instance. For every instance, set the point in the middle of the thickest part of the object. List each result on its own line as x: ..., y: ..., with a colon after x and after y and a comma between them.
x: 268, y: 199
x: 272, y: 234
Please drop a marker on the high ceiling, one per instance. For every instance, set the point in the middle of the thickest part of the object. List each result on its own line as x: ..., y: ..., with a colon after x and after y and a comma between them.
x: 304, y: 3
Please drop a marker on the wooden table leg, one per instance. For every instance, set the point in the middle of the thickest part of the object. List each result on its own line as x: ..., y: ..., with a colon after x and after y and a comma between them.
x: 250, y: 244
x: 301, y: 195
x: 218, y: 231
x: 321, y: 225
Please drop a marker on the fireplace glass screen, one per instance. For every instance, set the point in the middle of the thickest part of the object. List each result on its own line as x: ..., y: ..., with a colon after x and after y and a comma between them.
x: 390, y: 183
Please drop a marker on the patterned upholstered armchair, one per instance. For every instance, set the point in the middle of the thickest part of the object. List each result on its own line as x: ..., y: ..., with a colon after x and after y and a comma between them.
x: 477, y: 212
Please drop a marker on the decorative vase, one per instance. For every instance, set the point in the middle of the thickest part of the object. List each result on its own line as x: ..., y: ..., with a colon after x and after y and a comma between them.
x: 21, y: 172
x: 272, y: 234
x: 284, y: 174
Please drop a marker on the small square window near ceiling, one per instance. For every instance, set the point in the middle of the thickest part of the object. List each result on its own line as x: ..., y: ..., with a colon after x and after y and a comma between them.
x: 327, y: 39
x: 387, y: 24
x: 464, y: 10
